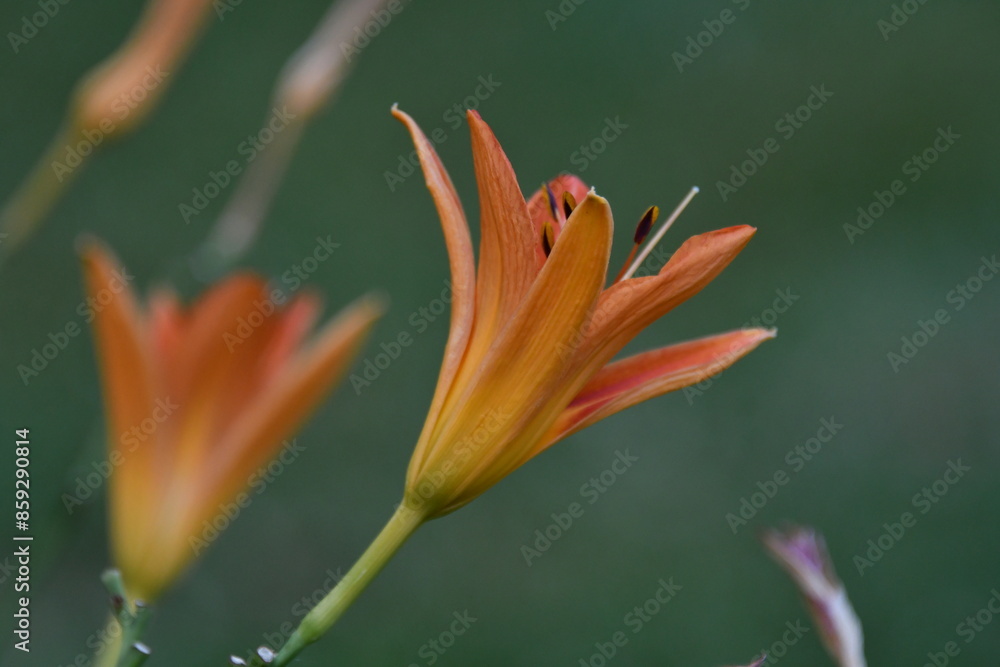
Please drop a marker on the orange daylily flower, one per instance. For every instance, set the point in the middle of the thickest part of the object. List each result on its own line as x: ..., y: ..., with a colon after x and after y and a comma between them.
x: 533, y: 330
x: 198, y: 398
x: 534, y: 327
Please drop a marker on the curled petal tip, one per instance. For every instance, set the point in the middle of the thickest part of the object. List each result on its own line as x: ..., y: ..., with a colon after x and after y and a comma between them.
x: 399, y: 114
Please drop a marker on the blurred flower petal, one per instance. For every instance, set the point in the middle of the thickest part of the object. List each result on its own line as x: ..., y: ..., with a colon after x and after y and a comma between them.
x: 216, y: 387
x: 802, y: 552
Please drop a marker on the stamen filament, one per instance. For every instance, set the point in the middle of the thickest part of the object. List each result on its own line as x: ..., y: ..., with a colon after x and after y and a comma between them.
x: 659, y: 234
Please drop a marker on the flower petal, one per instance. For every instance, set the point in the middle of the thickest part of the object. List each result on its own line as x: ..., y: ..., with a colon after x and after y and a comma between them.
x: 802, y: 552
x: 463, y: 268
x: 629, y: 306
x: 510, y: 390
x: 295, y: 322
x: 167, y: 322
x: 540, y: 210
x: 630, y: 381
x: 507, y: 265
x: 279, y: 410
x: 217, y: 352
x: 120, y: 338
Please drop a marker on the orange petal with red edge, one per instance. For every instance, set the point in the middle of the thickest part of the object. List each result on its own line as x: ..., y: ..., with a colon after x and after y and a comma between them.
x: 629, y: 306
x: 635, y: 379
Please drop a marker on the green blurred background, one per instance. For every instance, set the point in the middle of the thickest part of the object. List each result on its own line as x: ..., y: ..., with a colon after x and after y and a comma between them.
x: 699, y: 454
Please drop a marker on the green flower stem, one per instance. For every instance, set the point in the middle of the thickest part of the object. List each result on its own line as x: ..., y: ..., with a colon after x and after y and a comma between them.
x: 131, y: 616
x: 322, y: 617
x: 108, y: 656
x: 39, y: 192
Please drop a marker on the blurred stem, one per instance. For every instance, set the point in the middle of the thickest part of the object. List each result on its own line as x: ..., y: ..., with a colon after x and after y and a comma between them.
x: 109, y: 656
x: 322, y: 617
x: 123, y: 648
x: 240, y: 221
x: 309, y: 80
x: 36, y: 195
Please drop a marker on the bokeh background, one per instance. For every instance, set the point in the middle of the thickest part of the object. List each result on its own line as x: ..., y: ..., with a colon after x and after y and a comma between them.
x: 699, y: 453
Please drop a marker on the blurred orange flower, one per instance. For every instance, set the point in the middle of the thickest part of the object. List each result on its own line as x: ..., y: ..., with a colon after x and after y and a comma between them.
x: 199, y: 398
x: 534, y: 328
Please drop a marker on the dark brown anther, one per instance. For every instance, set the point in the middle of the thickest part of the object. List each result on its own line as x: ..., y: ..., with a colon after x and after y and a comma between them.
x: 646, y: 224
x: 569, y: 203
x: 548, y: 238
